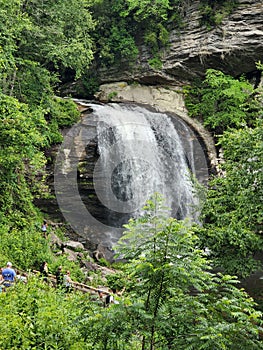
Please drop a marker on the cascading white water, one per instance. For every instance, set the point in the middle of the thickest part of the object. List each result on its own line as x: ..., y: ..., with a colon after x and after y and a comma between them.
x: 141, y: 152
x: 115, y: 159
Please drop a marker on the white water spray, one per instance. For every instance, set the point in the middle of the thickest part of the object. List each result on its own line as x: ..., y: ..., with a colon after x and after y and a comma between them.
x: 141, y: 152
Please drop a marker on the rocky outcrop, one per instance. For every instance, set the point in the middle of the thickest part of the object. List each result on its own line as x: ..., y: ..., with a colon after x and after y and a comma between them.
x: 232, y: 47
x: 73, y: 245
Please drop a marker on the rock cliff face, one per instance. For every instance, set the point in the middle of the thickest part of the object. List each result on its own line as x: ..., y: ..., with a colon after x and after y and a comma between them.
x: 232, y: 47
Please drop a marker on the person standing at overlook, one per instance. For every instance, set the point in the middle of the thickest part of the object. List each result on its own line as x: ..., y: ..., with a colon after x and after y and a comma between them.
x: 9, y: 275
x: 67, y: 282
x: 44, y: 228
x: 44, y: 270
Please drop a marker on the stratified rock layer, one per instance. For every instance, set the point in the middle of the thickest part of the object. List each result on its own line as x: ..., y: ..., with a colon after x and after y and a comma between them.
x: 232, y: 47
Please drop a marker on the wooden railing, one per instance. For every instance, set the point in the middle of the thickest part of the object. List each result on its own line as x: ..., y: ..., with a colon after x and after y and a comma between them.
x: 75, y: 285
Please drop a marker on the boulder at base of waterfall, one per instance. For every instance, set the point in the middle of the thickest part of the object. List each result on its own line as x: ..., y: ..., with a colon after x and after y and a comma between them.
x: 102, y: 252
x: 97, y: 255
x: 71, y: 255
x: 73, y: 245
x: 89, y: 266
x: 55, y: 240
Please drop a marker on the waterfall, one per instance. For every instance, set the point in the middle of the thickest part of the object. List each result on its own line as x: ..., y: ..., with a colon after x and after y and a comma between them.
x: 141, y: 153
x: 126, y: 153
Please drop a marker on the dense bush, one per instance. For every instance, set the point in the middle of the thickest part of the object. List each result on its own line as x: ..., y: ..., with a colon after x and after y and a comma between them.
x: 35, y: 316
x: 232, y: 109
x: 221, y: 101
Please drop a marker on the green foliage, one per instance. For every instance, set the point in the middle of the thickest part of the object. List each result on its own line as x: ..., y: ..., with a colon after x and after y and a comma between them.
x: 222, y: 101
x: 175, y: 301
x: 63, y: 111
x: 155, y: 63
x: 214, y: 11
x: 143, y: 10
x: 21, y: 161
x: 23, y: 135
x: 113, y: 34
x: 34, y: 316
x: 59, y: 34
x: 33, y: 84
x: 12, y: 25
x: 259, y: 65
x: 112, y: 95
x: 90, y: 85
x: 233, y: 210
x: 152, y: 17
x: 62, y: 260
x: 117, y: 280
x: 35, y: 35
x: 124, y: 24
x: 123, y: 43
x: 22, y: 244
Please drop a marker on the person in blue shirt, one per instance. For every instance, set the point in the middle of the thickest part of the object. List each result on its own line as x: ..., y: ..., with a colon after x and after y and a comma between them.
x: 9, y: 275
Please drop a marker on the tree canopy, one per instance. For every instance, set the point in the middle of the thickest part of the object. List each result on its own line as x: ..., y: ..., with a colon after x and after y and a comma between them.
x: 173, y: 298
